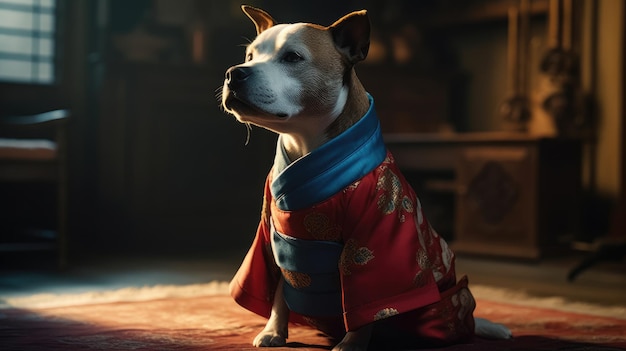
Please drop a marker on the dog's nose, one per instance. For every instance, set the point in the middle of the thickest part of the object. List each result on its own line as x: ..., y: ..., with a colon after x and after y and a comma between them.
x: 237, y: 75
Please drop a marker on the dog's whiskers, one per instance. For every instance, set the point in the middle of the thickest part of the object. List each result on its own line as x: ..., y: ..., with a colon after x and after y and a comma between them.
x: 249, y: 129
x: 218, y: 96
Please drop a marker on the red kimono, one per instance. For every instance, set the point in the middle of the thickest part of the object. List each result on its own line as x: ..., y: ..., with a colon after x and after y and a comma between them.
x: 348, y: 235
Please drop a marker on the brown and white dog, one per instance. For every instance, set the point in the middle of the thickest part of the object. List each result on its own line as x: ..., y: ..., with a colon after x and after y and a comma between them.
x: 298, y: 80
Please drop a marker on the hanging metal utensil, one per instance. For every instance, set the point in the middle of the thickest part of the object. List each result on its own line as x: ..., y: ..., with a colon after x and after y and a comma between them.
x: 516, y: 108
x: 559, y: 66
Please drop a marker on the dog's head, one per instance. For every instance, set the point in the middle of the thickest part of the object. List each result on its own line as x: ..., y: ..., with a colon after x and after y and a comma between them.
x: 295, y: 71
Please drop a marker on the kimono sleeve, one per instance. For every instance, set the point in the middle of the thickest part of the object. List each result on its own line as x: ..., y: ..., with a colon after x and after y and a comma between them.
x: 392, y: 257
x: 254, y: 284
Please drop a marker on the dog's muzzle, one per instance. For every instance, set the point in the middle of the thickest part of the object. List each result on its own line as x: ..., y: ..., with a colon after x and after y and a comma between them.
x: 236, y: 76
x: 237, y: 93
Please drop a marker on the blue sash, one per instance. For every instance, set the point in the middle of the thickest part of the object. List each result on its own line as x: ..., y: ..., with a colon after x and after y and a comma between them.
x: 317, y: 259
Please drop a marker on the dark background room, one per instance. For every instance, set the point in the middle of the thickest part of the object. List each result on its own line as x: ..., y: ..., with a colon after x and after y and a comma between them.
x: 506, y: 116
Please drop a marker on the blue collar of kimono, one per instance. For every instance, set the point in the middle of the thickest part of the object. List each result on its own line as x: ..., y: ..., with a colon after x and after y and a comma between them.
x: 330, y: 168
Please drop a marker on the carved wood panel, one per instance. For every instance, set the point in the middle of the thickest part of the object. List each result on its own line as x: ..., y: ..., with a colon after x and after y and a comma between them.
x: 496, y: 197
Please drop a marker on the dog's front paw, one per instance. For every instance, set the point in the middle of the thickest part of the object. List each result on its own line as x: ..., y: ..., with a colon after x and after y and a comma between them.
x: 269, y: 338
x: 355, y: 340
x: 347, y: 346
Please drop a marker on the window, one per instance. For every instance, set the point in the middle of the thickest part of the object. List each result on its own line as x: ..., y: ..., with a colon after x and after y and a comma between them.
x: 27, y: 41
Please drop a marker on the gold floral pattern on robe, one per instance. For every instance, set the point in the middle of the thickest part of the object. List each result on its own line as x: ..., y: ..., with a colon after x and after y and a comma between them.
x: 423, y: 260
x: 296, y: 279
x: 392, y: 197
x: 321, y: 228
x: 385, y: 313
x: 352, y: 187
x: 353, y: 255
x: 465, y: 301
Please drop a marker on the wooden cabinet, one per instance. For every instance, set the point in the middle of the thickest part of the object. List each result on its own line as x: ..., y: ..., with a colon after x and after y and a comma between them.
x: 515, y: 195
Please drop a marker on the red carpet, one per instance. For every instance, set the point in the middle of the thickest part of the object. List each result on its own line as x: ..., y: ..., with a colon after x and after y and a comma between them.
x: 217, y: 323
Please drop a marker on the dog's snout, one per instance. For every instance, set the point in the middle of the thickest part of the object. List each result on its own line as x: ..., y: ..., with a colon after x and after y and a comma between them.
x: 237, y: 75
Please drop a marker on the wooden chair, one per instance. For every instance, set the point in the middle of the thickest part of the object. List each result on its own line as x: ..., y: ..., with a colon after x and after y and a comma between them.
x: 33, y: 151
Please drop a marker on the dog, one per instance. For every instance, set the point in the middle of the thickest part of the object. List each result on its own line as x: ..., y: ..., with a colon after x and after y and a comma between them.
x: 343, y: 244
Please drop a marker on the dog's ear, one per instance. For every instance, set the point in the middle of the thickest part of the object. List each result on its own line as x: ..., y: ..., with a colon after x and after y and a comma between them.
x: 262, y: 20
x: 351, y: 34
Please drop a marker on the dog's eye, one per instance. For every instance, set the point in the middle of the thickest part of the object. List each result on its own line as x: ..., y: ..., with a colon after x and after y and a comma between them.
x: 249, y: 57
x: 292, y: 57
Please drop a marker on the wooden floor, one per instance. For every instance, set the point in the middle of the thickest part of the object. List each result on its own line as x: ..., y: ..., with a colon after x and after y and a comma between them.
x: 602, y: 284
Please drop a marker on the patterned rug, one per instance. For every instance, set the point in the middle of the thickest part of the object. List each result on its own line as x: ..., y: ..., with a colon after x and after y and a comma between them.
x: 203, y: 317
